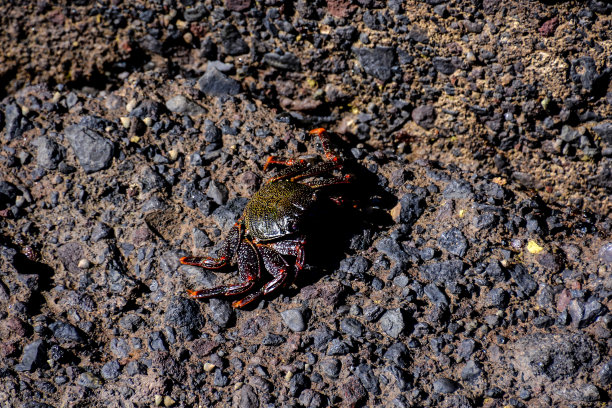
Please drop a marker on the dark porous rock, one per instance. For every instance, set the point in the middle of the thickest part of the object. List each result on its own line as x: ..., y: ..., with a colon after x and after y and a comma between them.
x: 111, y: 370
x: 286, y: 61
x: 8, y: 194
x: 453, y: 241
x: 604, y: 131
x: 148, y: 108
x: 101, y: 231
x: 16, y: 123
x: 555, y: 356
x: 184, y: 314
x: 471, y: 371
x: 232, y: 42
x: 337, y: 347
x: 34, y: 356
x: 220, y: 311
x: 94, y: 151
x: 412, y: 207
x: 88, y: 380
x: 457, y: 189
x: 294, y: 320
x: 273, y: 340
x: 376, y: 61
x: 119, y: 347
x: 352, y: 327
x: 392, y: 249
x: 466, y: 348
x: 497, y: 298
x: 370, y: 381
x: 196, y: 13
x: 445, y: 66
x: 424, y: 116
x: 353, y: 392
x: 585, y: 393
x: 215, y: 83
x: 392, y: 323
x: 246, y: 398
x: 605, y: 373
x: 584, y: 72
x: 297, y: 383
x: 331, y: 367
x: 48, y: 153
x: 355, y: 265
x: 310, y: 399
x: 65, y: 332
x: 436, y: 296
x: 443, y: 272
x: 398, y: 354
x: 524, y: 280
x: 445, y: 386
x: 584, y: 314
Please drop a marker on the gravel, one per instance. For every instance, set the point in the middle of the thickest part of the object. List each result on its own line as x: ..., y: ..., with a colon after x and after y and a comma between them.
x: 467, y: 261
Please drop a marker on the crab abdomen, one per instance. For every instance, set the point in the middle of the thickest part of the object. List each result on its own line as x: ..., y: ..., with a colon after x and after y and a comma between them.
x: 277, y: 209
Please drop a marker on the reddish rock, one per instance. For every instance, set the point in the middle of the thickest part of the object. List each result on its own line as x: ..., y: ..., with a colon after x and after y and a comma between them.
x: 548, y: 28
x: 202, y: 348
x: 340, y: 8
x: 353, y: 392
x: 237, y: 5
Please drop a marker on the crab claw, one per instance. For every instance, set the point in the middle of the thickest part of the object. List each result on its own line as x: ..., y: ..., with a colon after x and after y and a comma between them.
x: 317, y: 131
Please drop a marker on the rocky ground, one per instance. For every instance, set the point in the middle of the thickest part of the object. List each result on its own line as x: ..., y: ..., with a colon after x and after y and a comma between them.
x: 468, y: 264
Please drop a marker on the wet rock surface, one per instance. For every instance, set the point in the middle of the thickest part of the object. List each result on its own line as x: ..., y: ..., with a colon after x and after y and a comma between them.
x: 467, y: 264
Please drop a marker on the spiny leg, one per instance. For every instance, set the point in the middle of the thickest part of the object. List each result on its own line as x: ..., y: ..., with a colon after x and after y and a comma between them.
x: 228, y: 249
x: 346, y: 179
x: 301, y: 170
x: 249, y: 271
x: 330, y: 153
x: 294, y: 247
x: 276, y: 265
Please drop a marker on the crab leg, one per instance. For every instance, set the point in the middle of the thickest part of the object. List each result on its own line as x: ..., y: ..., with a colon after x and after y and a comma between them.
x: 248, y: 269
x: 330, y: 154
x: 329, y: 182
x: 277, y: 266
x: 292, y: 248
x: 228, y: 249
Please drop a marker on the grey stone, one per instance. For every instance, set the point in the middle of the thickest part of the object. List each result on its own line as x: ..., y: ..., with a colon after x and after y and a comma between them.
x: 48, y: 153
x: 376, y: 61
x: 445, y: 386
x: 424, y: 116
x: 111, y: 370
x: 471, y: 371
x: 66, y: 332
x: 220, y: 311
x: 93, y: 151
x: 287, y: 61
x: 352, y: 327
x: 33, y: 356
x: 215, y: 83
x: 392, y: 323
x: 453, y: 241
x: 182, y: 104
x: 294, y: 320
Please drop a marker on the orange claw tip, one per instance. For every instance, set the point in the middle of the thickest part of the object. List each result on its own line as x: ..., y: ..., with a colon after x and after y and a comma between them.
x: 192, y: 293
x: 317, y: 131
x: 182, y: 260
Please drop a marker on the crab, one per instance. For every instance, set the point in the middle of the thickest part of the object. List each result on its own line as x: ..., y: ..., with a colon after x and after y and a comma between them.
x: 272, y: 228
